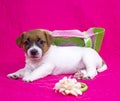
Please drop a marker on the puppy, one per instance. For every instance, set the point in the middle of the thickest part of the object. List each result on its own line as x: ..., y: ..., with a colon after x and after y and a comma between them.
x: 43, y: 59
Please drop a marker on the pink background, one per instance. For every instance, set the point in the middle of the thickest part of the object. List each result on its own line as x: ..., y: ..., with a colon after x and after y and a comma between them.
x: 17, y: 16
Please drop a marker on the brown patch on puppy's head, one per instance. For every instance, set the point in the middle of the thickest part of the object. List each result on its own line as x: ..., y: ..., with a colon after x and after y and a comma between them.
x: 49, y: 38
x: 35, y: 38
x: 19, y: 40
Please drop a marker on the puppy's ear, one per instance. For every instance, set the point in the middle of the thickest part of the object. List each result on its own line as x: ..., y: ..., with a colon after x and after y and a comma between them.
x: 49, y: 38
x: 19, y: 40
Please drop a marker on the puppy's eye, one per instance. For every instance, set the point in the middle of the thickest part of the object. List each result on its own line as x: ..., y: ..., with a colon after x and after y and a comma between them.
x: 41, y: 42
x: 26, y: 42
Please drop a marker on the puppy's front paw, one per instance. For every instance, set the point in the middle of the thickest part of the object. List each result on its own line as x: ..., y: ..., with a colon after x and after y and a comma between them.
x: 13, y: 76
x: 27, y: 79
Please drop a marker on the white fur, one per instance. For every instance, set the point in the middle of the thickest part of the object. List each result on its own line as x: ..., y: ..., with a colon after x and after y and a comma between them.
x: 61, y: 60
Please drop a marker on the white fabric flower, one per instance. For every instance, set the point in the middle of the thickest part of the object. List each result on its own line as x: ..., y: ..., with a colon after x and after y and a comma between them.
x: 68, y: 86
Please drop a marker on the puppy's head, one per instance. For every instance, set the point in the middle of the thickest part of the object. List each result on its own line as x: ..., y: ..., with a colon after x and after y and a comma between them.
x: 35, y: 42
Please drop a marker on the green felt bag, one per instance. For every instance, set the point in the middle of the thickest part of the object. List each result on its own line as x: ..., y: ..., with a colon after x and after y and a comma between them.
x: 91, y: 38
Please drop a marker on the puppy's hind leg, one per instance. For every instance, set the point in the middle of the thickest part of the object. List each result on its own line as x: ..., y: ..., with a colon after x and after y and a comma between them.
x: 84, y: 75
x: 91, y: 72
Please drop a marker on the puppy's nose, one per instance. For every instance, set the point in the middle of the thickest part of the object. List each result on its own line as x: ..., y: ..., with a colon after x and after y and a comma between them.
x: 34, y: 52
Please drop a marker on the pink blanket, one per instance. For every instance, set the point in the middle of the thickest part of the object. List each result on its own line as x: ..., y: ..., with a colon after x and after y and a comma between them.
x: 17, y: 16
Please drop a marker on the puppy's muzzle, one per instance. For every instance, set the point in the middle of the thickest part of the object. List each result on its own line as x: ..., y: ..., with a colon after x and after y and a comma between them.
x: 34, y: 52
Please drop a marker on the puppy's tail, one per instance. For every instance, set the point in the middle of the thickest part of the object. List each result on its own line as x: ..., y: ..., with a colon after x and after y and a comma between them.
x: 103, y: 67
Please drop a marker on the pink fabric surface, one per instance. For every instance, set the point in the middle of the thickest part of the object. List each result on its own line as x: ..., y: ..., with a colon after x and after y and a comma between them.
x: 17, y: 16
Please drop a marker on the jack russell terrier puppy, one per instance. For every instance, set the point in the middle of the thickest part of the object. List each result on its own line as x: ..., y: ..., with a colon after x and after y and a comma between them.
x: 43, y: 59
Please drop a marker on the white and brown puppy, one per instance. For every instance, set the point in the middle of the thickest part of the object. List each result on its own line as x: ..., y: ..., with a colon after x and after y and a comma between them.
x: 43, y: 59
